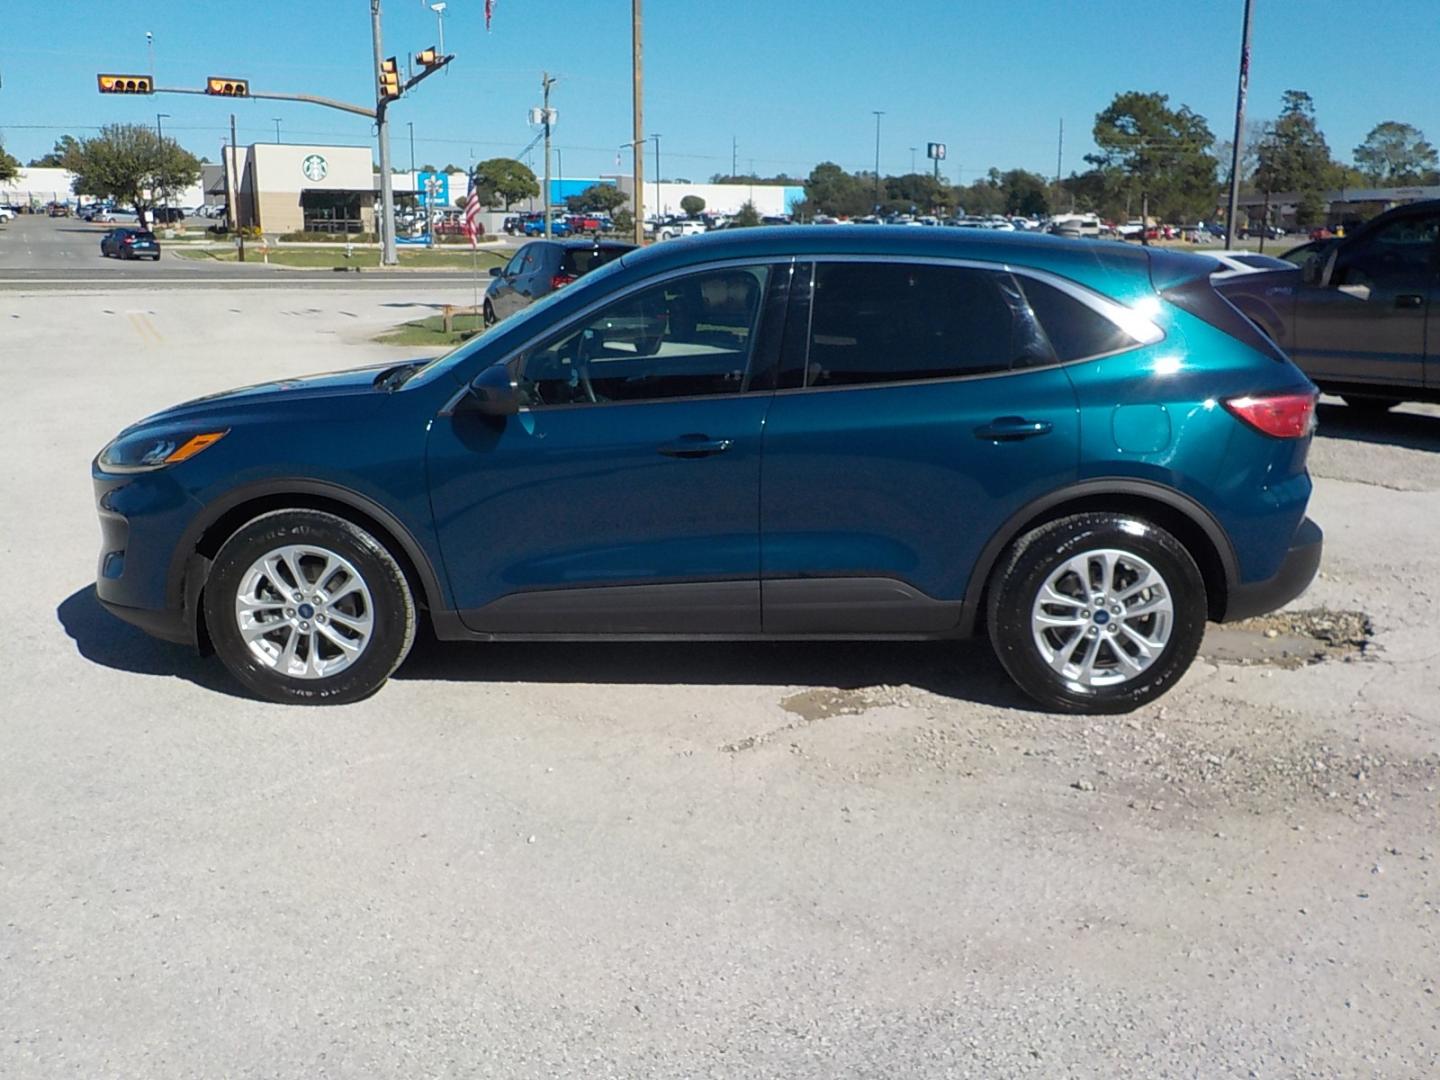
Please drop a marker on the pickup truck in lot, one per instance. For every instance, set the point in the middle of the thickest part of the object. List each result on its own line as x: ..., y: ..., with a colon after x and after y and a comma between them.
x: 1361, y: 315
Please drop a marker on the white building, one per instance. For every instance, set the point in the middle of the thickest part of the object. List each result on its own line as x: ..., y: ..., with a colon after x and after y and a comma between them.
x: 36, y: 186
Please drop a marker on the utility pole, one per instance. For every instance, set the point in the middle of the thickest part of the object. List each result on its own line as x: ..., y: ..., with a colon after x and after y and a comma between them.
x: 658, y: 208
x: 160, y: 138
x: 1232, y: 209
x: 388, y: 256
x: 1060, y: 153
x: 637, y: 145
x: 232, y: 183
x: 912, y: 157
x: 277, y: 127
x: 411, y: 125
x: 878, y: 113
x: 734, y: 150
x: 545, y: 83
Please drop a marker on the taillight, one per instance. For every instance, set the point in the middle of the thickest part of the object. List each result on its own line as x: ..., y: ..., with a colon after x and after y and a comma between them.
x: 561, y: 279
x: 129, y: 240
x: 1284, y: 416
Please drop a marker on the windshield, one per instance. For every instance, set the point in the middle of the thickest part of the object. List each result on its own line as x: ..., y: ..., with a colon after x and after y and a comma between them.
x: 515, y: 322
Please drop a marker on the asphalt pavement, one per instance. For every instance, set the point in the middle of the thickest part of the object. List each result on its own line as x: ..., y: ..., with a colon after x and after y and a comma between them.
x: 49, y: 254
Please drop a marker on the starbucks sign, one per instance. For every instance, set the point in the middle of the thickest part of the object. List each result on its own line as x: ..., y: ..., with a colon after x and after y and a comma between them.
x: 314, y: 168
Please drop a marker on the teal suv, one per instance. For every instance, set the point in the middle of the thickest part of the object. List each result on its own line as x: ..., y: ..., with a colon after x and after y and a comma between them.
x: 1076, y: 448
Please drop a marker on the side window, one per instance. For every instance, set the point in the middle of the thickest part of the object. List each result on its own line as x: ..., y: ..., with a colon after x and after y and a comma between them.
x: 513, y: 266
x: 1075, y: 330
x: 1399, y: 254
x: 692, y: 336
x: 885, y: 322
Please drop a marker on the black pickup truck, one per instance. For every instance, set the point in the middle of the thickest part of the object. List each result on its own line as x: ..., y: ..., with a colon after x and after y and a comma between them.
x: 1361, y: 314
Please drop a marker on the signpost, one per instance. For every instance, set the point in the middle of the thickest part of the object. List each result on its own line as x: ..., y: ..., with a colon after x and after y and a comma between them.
x: 935, y: 151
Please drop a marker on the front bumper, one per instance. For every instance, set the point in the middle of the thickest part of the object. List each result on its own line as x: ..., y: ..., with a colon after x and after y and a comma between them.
x: 1293, y: 578
x: 166, y: 624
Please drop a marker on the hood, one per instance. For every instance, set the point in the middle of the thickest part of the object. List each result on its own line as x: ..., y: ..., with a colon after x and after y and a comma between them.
x: 280, y: 393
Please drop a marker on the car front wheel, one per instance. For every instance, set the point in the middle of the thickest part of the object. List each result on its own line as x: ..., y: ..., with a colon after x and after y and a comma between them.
x: 1097, y: 612
x: 307, y: 608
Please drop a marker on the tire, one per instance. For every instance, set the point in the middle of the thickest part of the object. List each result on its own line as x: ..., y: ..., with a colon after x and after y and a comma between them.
x: 1371, y: 405
x: 488, y: 316
x: 1021, y: 623
x: 377, y: 617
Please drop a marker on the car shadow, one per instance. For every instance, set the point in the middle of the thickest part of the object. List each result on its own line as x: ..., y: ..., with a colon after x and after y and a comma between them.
x: 965, y: 670
x: 1414, y: 431
x: 103, y: 639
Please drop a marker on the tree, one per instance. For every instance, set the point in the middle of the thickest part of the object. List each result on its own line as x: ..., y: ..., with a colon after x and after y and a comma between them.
x: 1294, y: 157
x: 9, y: 166
x: 624, y: 222
x: 1396, y: 153
x: 505, y: 180
x: 831, y: 190
x: 132, y: 165
x: 692, y: 204
x: 919, y: 190
x: 1163, y: 154
x: 604, y: 198
x: 1025, y: 193
x: 746, y: 217
x: 55, y: 159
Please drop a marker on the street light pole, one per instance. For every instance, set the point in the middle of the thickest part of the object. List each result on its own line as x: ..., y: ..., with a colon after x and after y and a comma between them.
x: 545, y: 83
x: 388, y: 256
x: 160, y: 138
x: 658, y: 209
x: 1232, y: 208
x: 277, y: 127
x: 878, y: 113
x: 637, y: 137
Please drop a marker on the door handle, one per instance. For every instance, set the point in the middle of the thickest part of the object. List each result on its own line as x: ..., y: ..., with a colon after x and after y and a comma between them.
x: 1013, y: 428
x: 1409, y: 300
x: 695, y: 446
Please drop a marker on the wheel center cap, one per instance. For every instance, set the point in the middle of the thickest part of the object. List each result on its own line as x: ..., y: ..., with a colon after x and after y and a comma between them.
x: 306, y: 611
x: 1101, y: 617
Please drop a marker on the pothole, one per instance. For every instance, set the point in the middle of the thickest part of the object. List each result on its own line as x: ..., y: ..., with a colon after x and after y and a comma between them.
x: 1290, y: 639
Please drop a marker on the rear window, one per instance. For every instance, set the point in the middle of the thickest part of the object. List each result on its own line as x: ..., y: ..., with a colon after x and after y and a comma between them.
x: 579, y: 261
x: 1200, y: 299
x: 1074, y: 329
x: 145, y: 235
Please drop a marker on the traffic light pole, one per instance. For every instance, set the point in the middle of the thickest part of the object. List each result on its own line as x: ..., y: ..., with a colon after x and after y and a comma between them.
x: 388, y: 255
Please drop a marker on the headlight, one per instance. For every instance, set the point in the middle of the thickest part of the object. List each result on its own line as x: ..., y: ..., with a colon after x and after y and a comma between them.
x: 144, y: 452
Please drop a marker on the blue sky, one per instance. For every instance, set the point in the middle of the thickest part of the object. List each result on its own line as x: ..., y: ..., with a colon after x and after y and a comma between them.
x: 793, y: 82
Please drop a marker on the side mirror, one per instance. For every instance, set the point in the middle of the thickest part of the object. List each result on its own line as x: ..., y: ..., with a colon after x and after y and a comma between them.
x: 495, y: 271
x: 492, y: 393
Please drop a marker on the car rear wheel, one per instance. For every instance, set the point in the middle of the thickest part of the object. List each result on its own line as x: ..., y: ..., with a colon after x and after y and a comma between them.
x: 1097, y: 613
x: 1371, y: 404
x: 489, y: 314
x: 307, y: 608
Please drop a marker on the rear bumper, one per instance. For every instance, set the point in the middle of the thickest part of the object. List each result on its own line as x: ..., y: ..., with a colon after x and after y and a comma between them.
x: 1293, y: 578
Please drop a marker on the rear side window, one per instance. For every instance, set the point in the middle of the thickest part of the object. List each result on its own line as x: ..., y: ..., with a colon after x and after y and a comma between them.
x: 579, y: 261
x: 1075, y: 330
x: 887, y: 322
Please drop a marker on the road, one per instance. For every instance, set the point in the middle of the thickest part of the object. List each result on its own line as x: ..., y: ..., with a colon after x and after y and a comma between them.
x: 693, y: 860
x: 63, y: 254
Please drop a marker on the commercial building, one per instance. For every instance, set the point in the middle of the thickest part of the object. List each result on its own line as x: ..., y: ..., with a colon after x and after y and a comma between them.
x: 35, y: 186
x: 294, y: 187
x: 1344, y: 205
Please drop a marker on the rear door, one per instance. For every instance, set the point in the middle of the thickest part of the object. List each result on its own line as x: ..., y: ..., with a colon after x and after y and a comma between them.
x: 926, y: 408
x: 1368, y: 325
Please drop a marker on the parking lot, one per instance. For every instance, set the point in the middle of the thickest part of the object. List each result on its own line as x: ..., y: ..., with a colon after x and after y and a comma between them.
x: 693, y: 860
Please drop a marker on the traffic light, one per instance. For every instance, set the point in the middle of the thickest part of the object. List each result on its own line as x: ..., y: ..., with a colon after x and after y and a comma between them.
x: 125, y: 84
x: 389, y: 80
x: 224, y: 87
x: 429, y: 58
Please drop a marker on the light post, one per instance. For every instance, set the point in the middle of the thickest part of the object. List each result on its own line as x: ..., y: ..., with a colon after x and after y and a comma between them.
x: 277, y: 127
x: 657, y: 175
x: 160, y: 138
x: 878, y: 113
x: 439, y: 10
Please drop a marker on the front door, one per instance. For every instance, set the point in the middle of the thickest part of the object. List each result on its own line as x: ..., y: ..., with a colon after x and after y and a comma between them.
x: 625, y: 497
x: 930, y: 409
x: 1368, y: 324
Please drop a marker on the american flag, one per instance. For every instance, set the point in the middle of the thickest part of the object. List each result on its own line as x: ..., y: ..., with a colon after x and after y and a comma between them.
x: 472, y: 213
x: 489, y: 11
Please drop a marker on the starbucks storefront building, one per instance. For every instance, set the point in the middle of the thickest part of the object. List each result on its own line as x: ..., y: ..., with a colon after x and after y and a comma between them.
x: 285, y: 187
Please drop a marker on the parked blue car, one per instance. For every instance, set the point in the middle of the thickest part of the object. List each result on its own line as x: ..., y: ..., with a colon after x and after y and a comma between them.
x: 1077, y: 448
x: 536, y: 227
